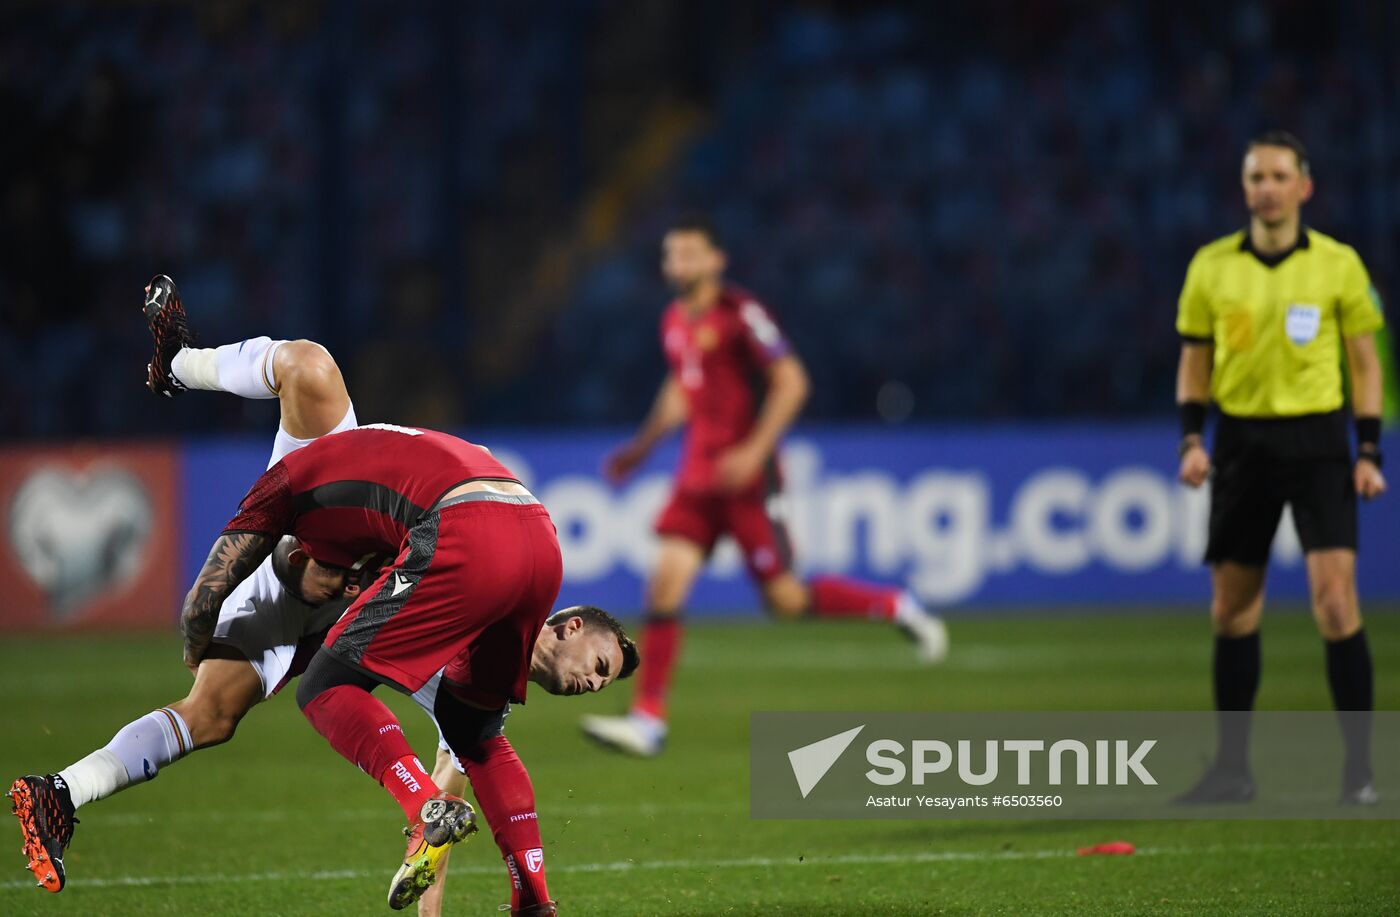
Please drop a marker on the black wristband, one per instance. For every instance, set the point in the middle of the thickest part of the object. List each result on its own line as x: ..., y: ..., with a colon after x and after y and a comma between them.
x: 1368, y: 431
x: 1193, y: 417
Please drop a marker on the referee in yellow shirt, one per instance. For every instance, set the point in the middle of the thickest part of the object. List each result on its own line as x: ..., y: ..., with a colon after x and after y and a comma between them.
x: 1264, y: 318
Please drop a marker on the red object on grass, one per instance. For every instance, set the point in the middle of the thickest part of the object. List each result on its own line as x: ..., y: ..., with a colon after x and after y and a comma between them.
x: 1113, y: 848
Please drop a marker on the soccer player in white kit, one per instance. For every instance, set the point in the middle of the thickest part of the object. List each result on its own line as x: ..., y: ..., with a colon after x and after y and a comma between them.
x: 268, y: 627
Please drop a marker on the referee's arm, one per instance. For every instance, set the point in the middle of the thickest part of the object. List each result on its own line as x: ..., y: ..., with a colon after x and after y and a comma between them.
x: 1192, y: 394
x: 1366, y: 394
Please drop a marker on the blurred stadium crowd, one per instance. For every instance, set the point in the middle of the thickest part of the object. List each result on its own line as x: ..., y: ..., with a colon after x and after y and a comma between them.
x: 976, y: 212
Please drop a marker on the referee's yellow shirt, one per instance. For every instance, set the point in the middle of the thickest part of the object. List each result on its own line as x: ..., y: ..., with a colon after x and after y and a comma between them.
x: 1277, y: 323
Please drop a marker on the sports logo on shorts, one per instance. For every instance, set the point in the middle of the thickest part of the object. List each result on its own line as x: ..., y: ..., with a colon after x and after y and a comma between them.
x: 1302, y: 323
x: 534, y: 859
x: 400, y: 584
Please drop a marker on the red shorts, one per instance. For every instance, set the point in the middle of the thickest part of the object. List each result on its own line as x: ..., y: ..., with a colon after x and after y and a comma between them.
x: 469, y: 592
x: 752, y: 517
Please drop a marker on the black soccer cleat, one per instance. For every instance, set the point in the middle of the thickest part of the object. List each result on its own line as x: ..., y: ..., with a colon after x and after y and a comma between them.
x: 165, y: 316
x: 45, y: 812
x: 1363, y: 795
x: 1219, y: 786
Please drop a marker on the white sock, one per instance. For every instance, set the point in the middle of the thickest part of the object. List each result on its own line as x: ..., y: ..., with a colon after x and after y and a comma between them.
x: 135, y: 754
x: 244, y: 368
x: 286, y: 442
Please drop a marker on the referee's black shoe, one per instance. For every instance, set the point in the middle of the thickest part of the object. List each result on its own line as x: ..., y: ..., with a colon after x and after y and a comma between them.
x: 165, y: 317
x: 1363, y: 795
x: 1219, y: 786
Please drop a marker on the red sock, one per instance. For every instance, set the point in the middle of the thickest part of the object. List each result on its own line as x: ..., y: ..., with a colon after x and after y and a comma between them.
x: 367, y: 734
x: 840, y: 597
x: 502, y: 787
x: 410, y: 785
x: 661, y: 643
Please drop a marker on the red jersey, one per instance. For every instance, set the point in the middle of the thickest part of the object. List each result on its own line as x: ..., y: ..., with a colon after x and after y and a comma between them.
x: 720, y: 361
x: 350, y: 495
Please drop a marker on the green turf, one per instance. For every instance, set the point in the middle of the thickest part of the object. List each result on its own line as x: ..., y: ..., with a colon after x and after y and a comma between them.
x: 276, y: 823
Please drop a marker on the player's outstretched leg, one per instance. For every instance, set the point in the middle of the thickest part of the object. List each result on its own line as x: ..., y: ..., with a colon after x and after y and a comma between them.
x: 762, y: 535
x: 45, y: 805
x: 301, y: 374
x: 225, y: 689
x: 45, y: 813
x: 842, y: 597
x: 336, y: 700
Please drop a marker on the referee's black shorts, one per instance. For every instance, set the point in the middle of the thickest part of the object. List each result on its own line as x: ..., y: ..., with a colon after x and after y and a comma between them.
x: 1262, y: 464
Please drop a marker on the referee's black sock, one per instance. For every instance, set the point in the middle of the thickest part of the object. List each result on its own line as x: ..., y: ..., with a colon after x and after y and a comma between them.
x: 1236, y: 672
x: 1349, y: 675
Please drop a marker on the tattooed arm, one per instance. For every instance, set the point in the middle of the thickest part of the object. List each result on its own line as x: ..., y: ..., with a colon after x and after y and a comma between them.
x: 234, y: 556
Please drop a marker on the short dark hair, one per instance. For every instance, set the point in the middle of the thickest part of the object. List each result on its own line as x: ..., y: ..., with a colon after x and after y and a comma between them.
x: 1287, y: 141
x: 697, y: 222
x: 596, y: 617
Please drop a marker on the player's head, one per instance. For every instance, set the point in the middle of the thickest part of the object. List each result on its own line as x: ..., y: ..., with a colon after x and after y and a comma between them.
x: 1277, y: 177
x: 308, y: 579
x: 582, y: 649
x: 691, y: 254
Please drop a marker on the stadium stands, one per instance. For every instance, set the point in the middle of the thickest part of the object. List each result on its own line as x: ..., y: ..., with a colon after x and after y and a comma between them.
x: 997, y: 226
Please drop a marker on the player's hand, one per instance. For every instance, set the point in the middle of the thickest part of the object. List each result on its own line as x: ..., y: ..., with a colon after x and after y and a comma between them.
x: 1370, y: 483
x: 738, y: 467
x: 1195, y: 465
x: 624, y: 460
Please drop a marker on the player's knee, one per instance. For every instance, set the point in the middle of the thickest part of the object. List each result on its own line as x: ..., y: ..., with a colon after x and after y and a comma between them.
x: 786, y: 597
x: 1336, y: 612
x: 785, y: 606
x: 308, y: 368
x: 1235, y: 616
x: 663, y: 597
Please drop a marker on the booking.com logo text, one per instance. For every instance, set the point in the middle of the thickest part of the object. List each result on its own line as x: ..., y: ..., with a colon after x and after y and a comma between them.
x: 936, y: 529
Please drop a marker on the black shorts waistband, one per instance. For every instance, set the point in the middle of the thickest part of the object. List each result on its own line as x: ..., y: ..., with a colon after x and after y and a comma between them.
x: 486, y: 496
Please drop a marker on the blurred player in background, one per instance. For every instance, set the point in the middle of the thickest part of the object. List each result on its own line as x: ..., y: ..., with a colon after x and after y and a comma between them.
x: 735, y: 380
x: 268, y: 625
x: 1265, y: 316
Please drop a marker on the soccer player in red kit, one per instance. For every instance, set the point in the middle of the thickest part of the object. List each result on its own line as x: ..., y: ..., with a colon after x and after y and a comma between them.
x: 477, y: 571
x: 724, y: 348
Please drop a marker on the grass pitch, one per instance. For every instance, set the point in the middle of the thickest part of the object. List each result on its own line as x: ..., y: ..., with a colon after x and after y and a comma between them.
x: 275, y: 823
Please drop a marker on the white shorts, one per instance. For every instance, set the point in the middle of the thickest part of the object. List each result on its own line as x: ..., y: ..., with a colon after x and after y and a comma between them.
x: 278, y: 634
